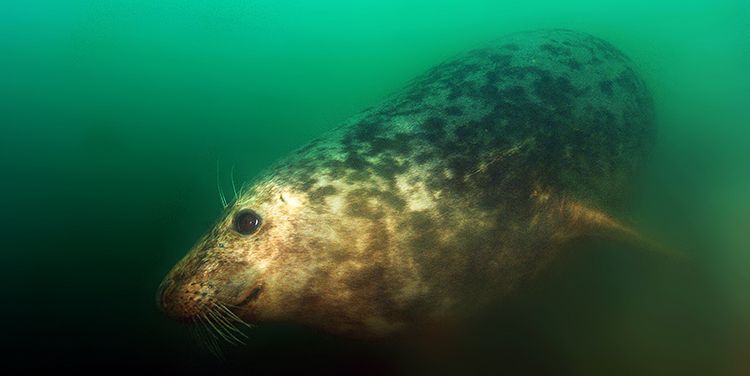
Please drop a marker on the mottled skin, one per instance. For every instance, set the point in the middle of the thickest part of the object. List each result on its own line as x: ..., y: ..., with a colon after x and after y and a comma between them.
x: 439, y: 201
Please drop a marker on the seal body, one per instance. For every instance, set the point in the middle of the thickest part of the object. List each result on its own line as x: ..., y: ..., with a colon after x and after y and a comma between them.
x: 437, y: 202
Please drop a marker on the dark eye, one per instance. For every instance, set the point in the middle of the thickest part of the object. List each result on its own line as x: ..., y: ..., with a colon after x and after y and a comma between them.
x: 246, y: 222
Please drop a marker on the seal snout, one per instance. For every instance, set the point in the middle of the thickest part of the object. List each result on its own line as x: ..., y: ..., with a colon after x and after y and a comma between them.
x: 163, y: 292
x: 184, y: 301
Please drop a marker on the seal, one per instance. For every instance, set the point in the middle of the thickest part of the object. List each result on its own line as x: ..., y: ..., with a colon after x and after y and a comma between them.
x: 436, y: 203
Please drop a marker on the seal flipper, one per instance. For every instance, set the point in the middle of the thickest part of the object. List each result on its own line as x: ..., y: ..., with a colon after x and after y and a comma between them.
x: 580, y: 220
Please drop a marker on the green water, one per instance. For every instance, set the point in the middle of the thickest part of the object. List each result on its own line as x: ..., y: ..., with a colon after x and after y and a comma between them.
x: 113, y: 116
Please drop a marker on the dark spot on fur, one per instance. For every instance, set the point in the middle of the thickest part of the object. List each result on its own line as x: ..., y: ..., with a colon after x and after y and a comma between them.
x: 365, y: 131
x: 422, y: 226
x: 308, y: 183
x: 318, y: 195
x: 393, y: 200
x: 358, y: 205
x: 453, y: 111
x: 491, y: 76
x: 379, y: 144
x: 489, y: 91
x: 358, y: 175
x: 501, y: 60
x: 520, y: 72
x: 556, y: 50
x: 355, y: 161
x: 388, y: 167
x: 514, y: 93
x: 423, y: 157
x: 399, y: 144
x: 628, y: 80
x: 572, y: 64
x: 368, y: 279
x: 555, y: 91
x: 606, y: 87
x: 434, y: 127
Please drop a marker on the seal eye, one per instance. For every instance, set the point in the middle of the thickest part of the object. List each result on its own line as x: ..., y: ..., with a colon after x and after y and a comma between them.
x: 246, y: 222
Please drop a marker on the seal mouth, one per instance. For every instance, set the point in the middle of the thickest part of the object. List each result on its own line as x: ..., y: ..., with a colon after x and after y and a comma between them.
x: 251, y: 296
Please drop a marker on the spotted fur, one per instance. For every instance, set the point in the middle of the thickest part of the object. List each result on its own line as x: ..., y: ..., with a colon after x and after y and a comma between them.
x: 441, y: 199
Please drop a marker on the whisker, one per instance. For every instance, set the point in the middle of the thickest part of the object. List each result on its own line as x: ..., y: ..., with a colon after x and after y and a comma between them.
x: 215, y: 343
x: 222, y: 198
x: 242, y: 322
x: 239, y: 320
x: 210, y: 340
x: 225, y: 330
x: 194, y: 334
x: 234, y: 188
x: 216, y: 329
x: 227, y: 323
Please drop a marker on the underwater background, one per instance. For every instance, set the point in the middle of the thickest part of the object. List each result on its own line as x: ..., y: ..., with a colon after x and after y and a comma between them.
x: 115, y: 114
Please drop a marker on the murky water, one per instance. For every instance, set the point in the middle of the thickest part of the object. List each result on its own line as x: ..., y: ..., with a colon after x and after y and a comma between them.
x: 113, y: 116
